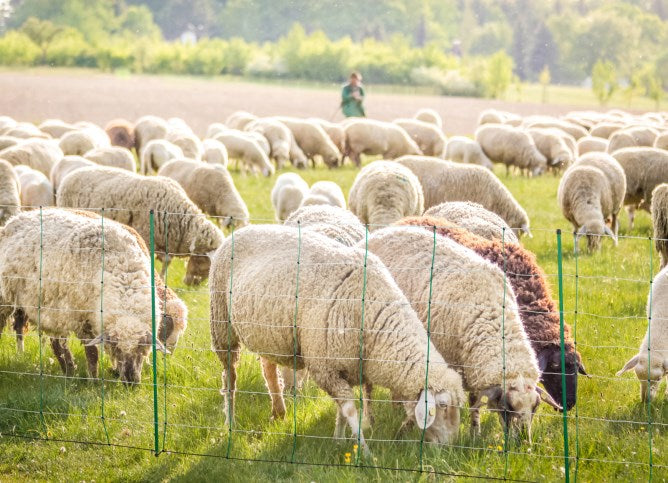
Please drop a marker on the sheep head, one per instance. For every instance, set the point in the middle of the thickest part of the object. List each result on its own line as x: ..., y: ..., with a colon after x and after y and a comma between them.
x: 649, y: 377
x: 436, y: 414
x: 549, y: 363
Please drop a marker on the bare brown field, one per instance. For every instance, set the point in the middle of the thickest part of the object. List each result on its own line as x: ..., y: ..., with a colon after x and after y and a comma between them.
x: 80, y: 95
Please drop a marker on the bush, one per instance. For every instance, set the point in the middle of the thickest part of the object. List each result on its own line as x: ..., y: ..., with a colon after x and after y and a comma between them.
x: 604, y: 80
x: 70, y: 49
x: 499, y: 75
x: 448, y: 83
x: 16, y: 48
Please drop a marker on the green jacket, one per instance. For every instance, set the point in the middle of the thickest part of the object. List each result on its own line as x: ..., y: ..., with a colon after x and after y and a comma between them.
x: 350, y: 106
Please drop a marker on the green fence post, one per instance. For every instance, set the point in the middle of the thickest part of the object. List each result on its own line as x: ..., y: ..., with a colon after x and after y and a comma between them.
x: 164, y: 342
x: 294, y: 347
x: 101, y: 361
x: 230, y: 418
x: 156, y: 435
x: 649, y: 357
x: 361, y: 370
x: 575, y: 342
x: 39, y: 325
x: 503, y: 344
x: 563, y: 356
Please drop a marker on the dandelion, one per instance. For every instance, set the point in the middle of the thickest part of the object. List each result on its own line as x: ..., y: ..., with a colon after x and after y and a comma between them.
x: 499, y: 448
x: 354, y: 448
x: 347, y: 458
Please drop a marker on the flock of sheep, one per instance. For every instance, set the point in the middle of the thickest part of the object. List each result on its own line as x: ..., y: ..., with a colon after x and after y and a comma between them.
x: 417, y: 282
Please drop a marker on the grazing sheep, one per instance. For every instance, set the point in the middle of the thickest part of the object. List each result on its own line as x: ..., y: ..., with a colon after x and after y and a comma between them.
x: 334, y: 131
x: 215, y: 152
x: 148, y: 128
x: 660, y: 221
x: 26, y: 130
x: 190, y: 144
x: 239, y: 120
x: 44, y: 247
x: 574, y: 130
x: 259, y: 139
x: 64, y: 167
x: 512, y: 147
x: 325, y: 193
x: 313, y: 140
x: 211, y: 188
x: 429, y: 115
x: 240, y: 146
x: 6, y: 124
x: 552, y: 145
x: 445, y: 181
x: 9, y: 141
x: 39, y: 154
x: 474, y: 218
x: 121, y: 132
x: 429, y: 138
x: 661, y: 141
x: 10, y: 192
x: 215, y: 128
x: 114, y: 157
x: 605, y: 129
x: 632, y: 137
x: 538, y: 311
x: 278, y: 135
x: 287, y: 194
x: 592, y: 144
x: 327, y: 325
x: 645, y: 168
x: 384, y: 192
x: 493, y: 116
x: 367, y: 136
x: 337, y: 223
x: 156, y: 153
x: 36, y: 189
x: 78, y: 143
x: 56, y: 128
x: 461, y: 149
x: 472, y: 317
x: 129, y: 197
x: 651, y: 361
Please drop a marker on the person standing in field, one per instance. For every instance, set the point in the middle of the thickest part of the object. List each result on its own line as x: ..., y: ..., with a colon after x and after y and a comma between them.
x: 352, y: 97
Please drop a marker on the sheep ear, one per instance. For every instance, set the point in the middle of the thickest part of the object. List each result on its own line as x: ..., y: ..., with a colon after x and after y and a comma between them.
x: 425, y: 410
x: 582, y: 370
x: 609, y: 232
x: 526, y: 231
x: 545, y: 397
x: 160, y: 347
x: 629, y: 365
x: 97, y: 340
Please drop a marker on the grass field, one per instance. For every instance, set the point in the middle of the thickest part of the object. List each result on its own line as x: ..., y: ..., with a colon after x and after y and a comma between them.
x: 610, y: 433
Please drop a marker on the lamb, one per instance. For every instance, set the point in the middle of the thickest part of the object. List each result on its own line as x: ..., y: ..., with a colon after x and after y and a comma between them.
x: 313, y: 140
x: 58, y: 243
x: 512, y: 147
x: 587, y: 196
x: 79, y: 142
x: 121, y: 132
x: 278, y: 135
x: 474, y: 218
x: 538, y: 311
x: 64, y: 167
x: 590, y: 144
x: 337, y: 223
x: 39, y: 154
x: 472, y: 309
x: 445, y: 181
x: 325, y: 193
x: 287, y: 194
x: 651, y: 361
x: 429, y: 138
x: 179, y: 224
x: 36, y: 189
x: 465, y: 150
x: 239, y: 120
x: 429, y: 115
x: 367, y: 136
x: 552, y: 145
x: 645, y: 168
x: 148, y: 128
x: 384, y: 192
x: 10, y: 192
x: 660, y: 221
x: 327, y: 325
x: 190, y: 144
x: 661, y: 141
x: 211, y: 188
x: 632, y: 137
x: 241, y: 146
x: 56, y: 128
x: 156, y: 153
x: 215, y: 152
x: 334, y: 131
x: 114, y: 157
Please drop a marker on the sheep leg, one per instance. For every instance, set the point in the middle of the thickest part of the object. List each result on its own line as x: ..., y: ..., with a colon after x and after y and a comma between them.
x: 474, y: 407
x: 92, y: 352
x: 271, y: 379
x: 229, y: 371
x: 614, y: 224
x: 367, y: 414
x: 20, y: 327
x: 64, y: 356
x: 632, y: 215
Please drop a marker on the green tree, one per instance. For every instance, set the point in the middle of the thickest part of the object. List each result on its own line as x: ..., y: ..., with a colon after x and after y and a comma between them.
x: 604, y: 80
x: 544, y: 78
x: 42, y: 33
x: 499, y: 74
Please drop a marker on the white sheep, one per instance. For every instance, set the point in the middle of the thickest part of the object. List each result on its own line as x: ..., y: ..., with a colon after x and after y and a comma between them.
x: 278, y: 135
x: 239, y: 119
x: 10, y: 192
x: 511, y: 146
x: 337, y: 223
x: 36, y: 189
x: 156, y: 153
x: 368, y: 136
x: 215, y: 152
x: 574, y: 130
x: 465, y: 150
x: 190, y: 145
x: 446, y: 181
x: 334, y: 131
x: 651, y: 361
x: 471, y: 313
x: 429, y: 137
x: 6, y: 124
x: 605, y: 129
x: 632, y: 137
x: 9, y: 141
x: 128, y: 198
x: 64, y: 167
x: 56, y: 128
x: 661, y: 141
x: 327, y: 322
x: 39, y: 154
x: 211, y: 188
x: 79, y: 142
x: 148, y: 128
x: 384, y: 192
x: 50, y: 270
x: 660, y: 221
x: 429, y: 115
x: 474, y: 218
x: 494, y: 116
x: 114, y: 157
x: 242, y: 147
x: 215, y: 128
x: 26, y: 130
x: 313, y: 140
x: 325, y: 193
x: 592, y: 144
x: 287, y: 194
x: 551, y: 144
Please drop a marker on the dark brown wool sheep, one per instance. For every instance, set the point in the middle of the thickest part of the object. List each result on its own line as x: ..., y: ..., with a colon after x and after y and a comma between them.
x: 538, y: 311
x: 121, y: 133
